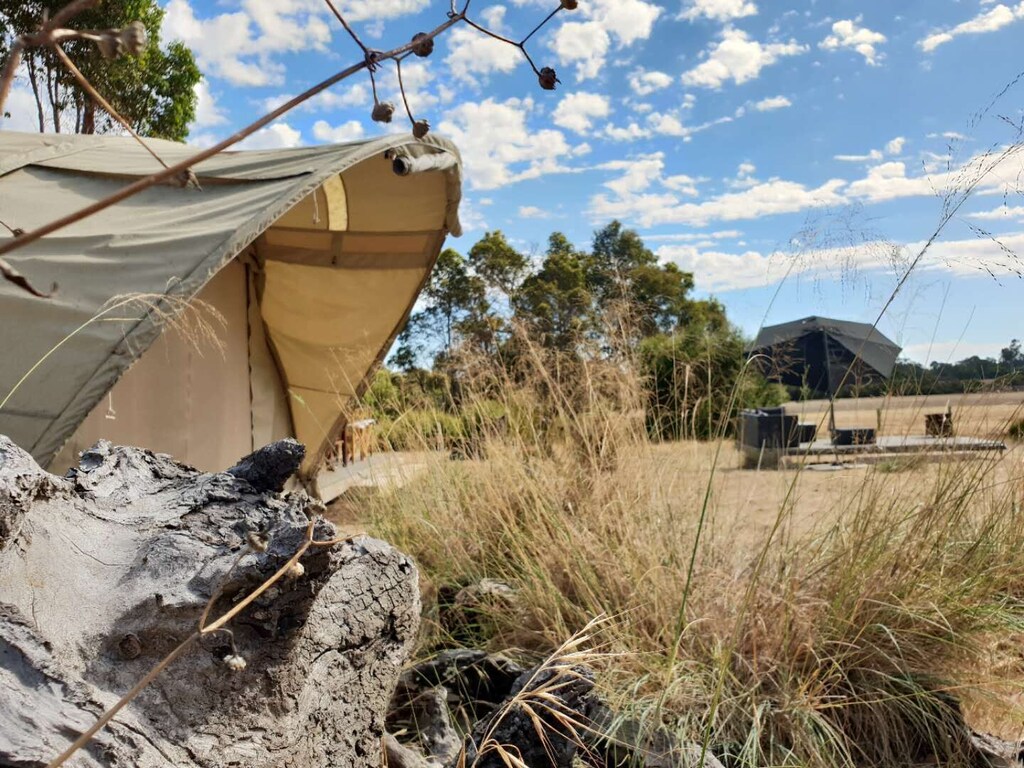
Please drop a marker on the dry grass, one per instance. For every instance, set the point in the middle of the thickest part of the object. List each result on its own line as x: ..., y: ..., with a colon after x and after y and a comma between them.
x: 786, y: 618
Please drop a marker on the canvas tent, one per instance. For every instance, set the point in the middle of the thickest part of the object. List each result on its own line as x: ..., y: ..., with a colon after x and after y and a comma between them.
x: 312, y: 258
x: 819, y: 352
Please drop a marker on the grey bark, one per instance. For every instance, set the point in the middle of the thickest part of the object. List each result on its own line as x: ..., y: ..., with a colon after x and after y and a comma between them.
x: 103, y: 572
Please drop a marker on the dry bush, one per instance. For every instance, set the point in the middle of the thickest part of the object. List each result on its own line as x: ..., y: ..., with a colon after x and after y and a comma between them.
x: 846, y: 642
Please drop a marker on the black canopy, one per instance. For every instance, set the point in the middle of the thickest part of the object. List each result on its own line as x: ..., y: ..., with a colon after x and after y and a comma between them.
x: 819, y: 351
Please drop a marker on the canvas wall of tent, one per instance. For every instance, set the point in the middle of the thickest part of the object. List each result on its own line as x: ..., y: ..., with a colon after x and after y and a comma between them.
x: 823, y: 354
x: 306, y: 261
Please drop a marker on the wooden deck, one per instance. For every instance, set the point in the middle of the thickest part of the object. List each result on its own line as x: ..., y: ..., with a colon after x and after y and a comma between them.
x: 889, y: 444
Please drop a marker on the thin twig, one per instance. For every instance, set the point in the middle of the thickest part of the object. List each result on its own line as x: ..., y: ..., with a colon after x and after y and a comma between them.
x: 107, y: 716
x: 217, y: 626
x: 348, y: 29
x: 102, y: 102
x: 401, y: 87
x: 179, y: 168
x: 44, y: 36
x: 536, y: 29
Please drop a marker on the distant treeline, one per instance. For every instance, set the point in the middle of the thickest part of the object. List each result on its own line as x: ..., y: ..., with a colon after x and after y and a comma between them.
x: 972, y: 374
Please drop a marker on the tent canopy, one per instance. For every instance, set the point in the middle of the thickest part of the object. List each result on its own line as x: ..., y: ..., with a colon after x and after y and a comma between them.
x: 328, y: 247
x: 819, y: 351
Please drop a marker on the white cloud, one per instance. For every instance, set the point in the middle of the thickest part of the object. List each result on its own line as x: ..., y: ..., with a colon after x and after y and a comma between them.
x: 631, y: 132
x: 497, y: 147
x: 645, y: 82
x: 586, y: 43
x: 533, y: 212
x: 847, y: 33
x: 991, y: 20
x: 275, y: 136
x: 577, y: 110
x: 871, y: 157
x: 207, y: 111
x: 771, y: 103
x: 716, y: 270
x: 1002, y: 213
x: 635, y: 200
x: 377, y: 10
x: 472, y: 53
x: 736, y: 57
x: 895, y: 146
x: 337, y: 134
x: 717, y: 10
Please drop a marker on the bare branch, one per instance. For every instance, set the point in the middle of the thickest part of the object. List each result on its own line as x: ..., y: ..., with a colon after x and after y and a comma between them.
x: 103, y: 103
x: 348, y: 29
x: 177, y: 170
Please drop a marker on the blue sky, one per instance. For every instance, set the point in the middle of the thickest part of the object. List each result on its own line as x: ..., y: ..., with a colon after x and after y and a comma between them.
x: 793, y: 155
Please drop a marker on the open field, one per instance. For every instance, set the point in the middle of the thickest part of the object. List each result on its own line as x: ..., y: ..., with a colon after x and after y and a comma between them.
x: 985, y: 414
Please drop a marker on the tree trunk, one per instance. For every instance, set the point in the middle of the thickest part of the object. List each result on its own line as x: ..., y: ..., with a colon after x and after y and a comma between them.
x: 88, y: 116
x: 106, y: 570
x: 33, y: 78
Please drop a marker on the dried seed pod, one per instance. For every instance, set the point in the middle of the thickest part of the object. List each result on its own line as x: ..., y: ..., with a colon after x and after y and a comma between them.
x: 109, y: 43
x: 570, y: 5
x: 423, y: 45
x: 548, y: 79
x: 134, y: 39
x: 383, y: 111
x: 420, y: 128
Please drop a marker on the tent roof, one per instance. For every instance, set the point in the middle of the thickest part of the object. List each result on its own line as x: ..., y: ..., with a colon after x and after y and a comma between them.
x: 169, y: 241
x: 860, y: 339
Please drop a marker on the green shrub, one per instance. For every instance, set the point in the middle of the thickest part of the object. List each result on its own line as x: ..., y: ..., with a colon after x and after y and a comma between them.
x: 696, y: 382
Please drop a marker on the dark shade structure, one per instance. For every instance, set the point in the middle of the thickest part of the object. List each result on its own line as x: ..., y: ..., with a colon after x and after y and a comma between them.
x: 820, y: 352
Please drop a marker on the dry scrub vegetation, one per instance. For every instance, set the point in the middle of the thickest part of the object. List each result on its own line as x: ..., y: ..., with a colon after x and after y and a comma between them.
x: 841, y: 636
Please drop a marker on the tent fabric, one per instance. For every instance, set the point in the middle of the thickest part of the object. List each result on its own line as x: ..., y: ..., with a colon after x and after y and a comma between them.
x: 819, y: 351
x: 329, y: 243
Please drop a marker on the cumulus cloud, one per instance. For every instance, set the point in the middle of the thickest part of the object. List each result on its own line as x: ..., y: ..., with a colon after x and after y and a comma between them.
x: 871, y: 157
x: 895, y: 146
x: 337, y: 134
x: 533, y: 212
x: 645, y: 82
x: 471, y: 53
x: 738, y: 58
x: 718, y: 270
x: 717, y: 10
x: 849, y: 34
x: 1002, y: 213
x: 577, y: 111
x: 989, y: 21
x: 585, y: 44
x: 276, y: 136
x: 207, y: 111
x: 497, y: 147
x: 772, y: 103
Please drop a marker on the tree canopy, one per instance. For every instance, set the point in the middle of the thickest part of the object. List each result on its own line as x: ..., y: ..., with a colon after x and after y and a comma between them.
x: 154, y: 92
x: 566, y: 298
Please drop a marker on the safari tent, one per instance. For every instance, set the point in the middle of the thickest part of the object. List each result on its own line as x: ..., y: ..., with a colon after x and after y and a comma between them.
x: 821, y: 353
x: 304, y: 262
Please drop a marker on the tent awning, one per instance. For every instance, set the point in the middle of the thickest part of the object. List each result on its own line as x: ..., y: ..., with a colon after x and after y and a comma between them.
x: 342, y: 243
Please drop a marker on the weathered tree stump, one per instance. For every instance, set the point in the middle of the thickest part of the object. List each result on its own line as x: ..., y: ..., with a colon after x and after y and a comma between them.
x: 103, y: 572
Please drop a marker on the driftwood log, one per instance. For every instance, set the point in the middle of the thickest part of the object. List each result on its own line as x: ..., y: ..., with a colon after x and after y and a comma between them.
x: 104, y: 571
